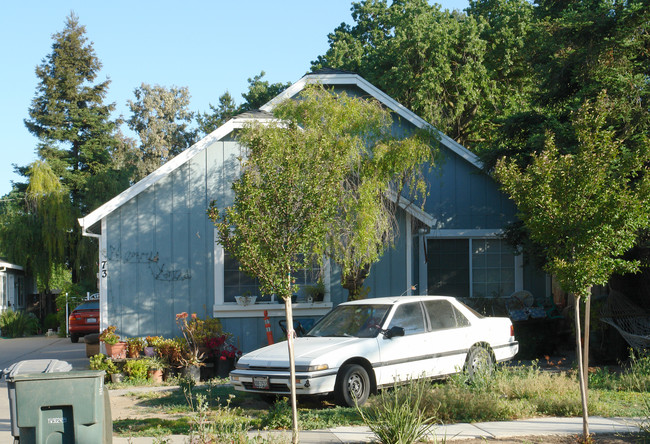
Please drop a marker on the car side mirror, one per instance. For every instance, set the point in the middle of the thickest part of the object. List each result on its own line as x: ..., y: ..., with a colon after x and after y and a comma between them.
x: 393, y: 332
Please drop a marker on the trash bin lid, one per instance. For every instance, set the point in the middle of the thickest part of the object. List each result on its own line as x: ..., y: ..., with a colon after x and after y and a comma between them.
x: 36, y: 366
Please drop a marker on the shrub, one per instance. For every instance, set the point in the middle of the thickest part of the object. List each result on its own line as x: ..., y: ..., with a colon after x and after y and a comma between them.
x: 279, y: 415
x: 137, y: 369
x: 398, y: 416
x: 16, y: 324
x: 51, y: 321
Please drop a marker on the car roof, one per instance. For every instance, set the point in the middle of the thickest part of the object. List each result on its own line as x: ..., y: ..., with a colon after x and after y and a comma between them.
x: 392, y: 300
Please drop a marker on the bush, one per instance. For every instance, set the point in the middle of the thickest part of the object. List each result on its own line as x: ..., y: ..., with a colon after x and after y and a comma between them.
x: 16, y: 324
x: 399, y: 415
x: 51, y: 321
x: 137, y: 369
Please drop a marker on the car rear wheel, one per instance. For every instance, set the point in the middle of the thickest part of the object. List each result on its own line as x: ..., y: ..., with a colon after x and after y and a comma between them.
x: 479, y: 362
x: 353, y: 385
x: 74, y: 338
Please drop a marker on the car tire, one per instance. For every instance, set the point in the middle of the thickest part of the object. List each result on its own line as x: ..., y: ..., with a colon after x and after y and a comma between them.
x: 74, y: 338
x: 352, y: 385
x: 479, y: 362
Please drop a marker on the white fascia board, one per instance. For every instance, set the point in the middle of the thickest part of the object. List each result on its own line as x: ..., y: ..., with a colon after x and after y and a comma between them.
x: 128, y: 194
x: 6, y: 265
x: 382, y: 97
x: 466, y: 233
x: 412, y: 209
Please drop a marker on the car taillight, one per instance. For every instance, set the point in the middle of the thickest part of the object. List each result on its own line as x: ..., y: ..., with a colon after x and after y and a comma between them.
x: 512, y: 330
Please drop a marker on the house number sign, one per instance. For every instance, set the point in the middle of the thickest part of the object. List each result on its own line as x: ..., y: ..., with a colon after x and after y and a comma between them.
x: 104, y: 270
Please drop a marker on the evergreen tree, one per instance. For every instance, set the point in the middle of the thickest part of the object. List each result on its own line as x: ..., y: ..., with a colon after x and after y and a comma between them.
x: 76, y: 135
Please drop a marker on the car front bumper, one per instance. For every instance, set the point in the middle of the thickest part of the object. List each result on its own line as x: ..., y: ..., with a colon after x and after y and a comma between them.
x: 315, y: 383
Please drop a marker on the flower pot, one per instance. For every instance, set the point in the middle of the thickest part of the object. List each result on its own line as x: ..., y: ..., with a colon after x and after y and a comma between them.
x: 116, y: 378
x: 224, y: 366
x: 134, y: 354
x: 116, y: 351
x: 149, y: 351
x: 192, y: 372
x: 156, y: 375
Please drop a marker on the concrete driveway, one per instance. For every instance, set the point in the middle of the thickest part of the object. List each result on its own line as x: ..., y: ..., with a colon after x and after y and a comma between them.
x: 21, y: 349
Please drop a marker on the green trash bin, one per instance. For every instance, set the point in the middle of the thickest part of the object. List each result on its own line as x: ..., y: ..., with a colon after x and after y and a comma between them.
x: 62, y: 408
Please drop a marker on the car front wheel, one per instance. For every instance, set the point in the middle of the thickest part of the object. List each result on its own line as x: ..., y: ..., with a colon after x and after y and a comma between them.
x: 353, y: 385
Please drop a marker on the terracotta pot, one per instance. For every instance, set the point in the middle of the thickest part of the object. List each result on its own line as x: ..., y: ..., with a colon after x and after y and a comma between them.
x: 116, y: 351
x: 156, y: 375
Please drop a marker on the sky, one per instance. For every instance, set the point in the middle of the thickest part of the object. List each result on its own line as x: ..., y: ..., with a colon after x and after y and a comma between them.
x: 208, y: 46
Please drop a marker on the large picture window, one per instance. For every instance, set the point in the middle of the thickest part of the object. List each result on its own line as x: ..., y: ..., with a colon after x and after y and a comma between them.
x: 477, y: 268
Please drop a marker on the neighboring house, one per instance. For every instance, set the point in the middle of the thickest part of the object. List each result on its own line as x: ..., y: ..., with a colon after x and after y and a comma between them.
x: 158, y: 253
x: 12, y: 287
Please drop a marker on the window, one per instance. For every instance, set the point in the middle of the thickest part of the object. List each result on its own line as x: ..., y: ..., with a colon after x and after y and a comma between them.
x: 443, y: 315
x: 477, y: 268
x: 409, y: 317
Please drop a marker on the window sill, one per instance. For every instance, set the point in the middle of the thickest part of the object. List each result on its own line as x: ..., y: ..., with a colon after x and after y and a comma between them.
x: 300, y: 309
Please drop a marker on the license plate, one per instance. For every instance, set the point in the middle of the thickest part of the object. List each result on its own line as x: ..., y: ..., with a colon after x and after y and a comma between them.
x: 261, y: 382
x: 91, y: 320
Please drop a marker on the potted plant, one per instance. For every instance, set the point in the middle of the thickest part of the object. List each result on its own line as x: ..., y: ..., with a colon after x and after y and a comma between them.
x: 191, y: 356
x: 156, y: 366
x: 315, y: 292
x: 101, y: 362
x: 114, y: 347
x: 134, y: 346
x: 150, y: 347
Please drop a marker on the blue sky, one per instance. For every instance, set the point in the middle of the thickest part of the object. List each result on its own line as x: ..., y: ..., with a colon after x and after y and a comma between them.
x: 208, y: 46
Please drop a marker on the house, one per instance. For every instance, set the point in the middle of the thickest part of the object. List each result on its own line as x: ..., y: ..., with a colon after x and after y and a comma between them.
x: 158, y: 253
x: 12, y: 287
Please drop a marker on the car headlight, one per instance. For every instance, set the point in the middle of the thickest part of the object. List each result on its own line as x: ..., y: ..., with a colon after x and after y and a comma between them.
x: 240, y: 366
x: 311, y: 368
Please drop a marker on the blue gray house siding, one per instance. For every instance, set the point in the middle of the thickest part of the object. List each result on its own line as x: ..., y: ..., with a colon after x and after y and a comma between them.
x: 159, y: 248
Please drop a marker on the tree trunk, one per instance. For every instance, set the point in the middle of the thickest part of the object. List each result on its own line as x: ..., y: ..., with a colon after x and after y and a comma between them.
x: 581, y: 371
x: 292, y: 368
x: 353, y: 282
x: 585, y: 344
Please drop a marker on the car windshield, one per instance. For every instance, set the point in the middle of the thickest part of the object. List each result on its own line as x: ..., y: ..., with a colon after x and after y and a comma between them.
x: 361, y: 321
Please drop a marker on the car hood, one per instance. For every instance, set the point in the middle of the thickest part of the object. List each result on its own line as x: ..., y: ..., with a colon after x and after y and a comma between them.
x: 306, y: 350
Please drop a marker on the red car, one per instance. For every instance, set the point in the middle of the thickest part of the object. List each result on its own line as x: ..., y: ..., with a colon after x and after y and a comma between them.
x: 84, y: 320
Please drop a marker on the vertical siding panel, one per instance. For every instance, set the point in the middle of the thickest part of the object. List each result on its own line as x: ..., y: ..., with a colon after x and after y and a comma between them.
x: 166, y: 324
x: 146, y: 224
x: 129, y: 275
x: 179, y: 273
x: 197, y: 235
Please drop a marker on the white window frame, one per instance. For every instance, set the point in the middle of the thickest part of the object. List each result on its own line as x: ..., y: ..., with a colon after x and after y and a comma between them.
x: 222, y: 309
x: 469, y: 235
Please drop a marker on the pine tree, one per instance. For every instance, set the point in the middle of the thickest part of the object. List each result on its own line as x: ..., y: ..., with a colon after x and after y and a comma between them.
x: 76, y: 133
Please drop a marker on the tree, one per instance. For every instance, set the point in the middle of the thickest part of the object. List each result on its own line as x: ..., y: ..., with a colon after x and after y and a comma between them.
x: 161, y: 120
x: 430, y: 60
x: 584, y: 209
x: 42, y: 219
x: 75, y: 133
x: 290, y: 189
x: 259, y: 92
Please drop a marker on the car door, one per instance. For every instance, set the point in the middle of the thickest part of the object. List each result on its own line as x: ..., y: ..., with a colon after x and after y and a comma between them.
x: 449, y: 337
x: 404, y: 357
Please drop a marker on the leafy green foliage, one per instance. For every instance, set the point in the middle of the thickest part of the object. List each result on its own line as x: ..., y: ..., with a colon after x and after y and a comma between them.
x: 585, y: 209
x: 16, y: 324
x: 161, y: 120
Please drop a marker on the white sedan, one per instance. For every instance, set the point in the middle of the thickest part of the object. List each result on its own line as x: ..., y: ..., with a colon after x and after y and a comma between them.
x: 364, y: 345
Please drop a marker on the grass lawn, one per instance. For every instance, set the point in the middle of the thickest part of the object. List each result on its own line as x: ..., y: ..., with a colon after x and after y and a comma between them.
x: 509, y: 392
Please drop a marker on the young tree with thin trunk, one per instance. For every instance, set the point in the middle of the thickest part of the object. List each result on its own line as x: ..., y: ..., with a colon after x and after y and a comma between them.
x: 584, y: 209
x: 293, y: 179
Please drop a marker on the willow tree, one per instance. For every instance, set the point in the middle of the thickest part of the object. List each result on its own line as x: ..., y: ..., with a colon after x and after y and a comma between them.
x: 35, y: 231
x: 294, y: 176
x: 584, y: 209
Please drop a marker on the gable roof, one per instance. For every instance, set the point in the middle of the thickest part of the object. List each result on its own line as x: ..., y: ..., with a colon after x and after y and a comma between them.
x: 328, y: 76
x: 325, y: 76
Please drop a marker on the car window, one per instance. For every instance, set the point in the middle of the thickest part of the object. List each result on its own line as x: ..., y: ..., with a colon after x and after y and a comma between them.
x: 442, y: 314
x: 409, y: 317
x: 362, y: 321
